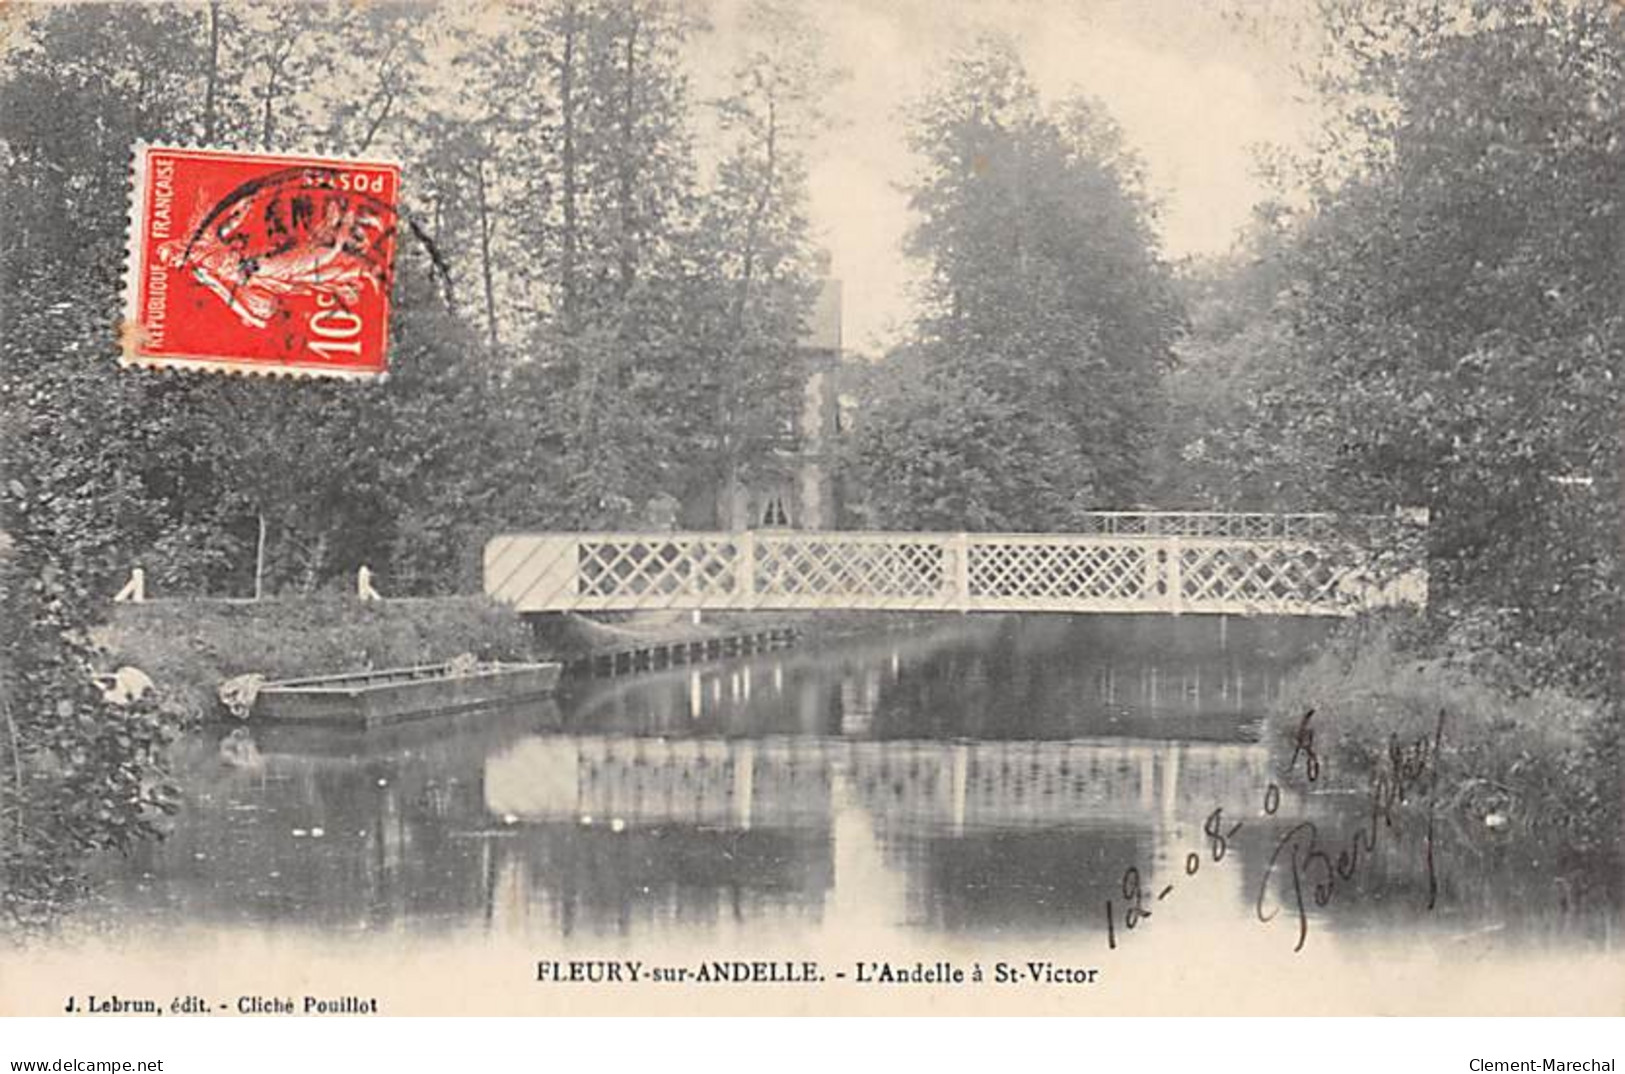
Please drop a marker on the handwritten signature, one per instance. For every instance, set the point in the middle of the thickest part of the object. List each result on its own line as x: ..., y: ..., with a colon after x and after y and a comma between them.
x: 1408, y: 771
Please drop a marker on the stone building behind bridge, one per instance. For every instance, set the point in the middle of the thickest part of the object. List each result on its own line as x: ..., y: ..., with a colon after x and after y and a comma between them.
x: 802, y: 493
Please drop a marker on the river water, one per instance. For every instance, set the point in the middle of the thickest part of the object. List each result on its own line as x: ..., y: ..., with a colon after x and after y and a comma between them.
x: 1042, y: 786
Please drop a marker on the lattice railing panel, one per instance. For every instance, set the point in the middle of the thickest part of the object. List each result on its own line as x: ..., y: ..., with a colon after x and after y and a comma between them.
x: 696, y: 566
x: 819, y: 566
x: 1058, y: 571
x: 1177, y: 573
x: 1260, y: 575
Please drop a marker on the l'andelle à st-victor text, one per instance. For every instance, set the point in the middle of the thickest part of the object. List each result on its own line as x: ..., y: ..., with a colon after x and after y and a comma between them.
x: 1305, y: 864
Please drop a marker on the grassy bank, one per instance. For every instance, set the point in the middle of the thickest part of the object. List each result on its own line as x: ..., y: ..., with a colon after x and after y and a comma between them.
x: 189, y: 647
x: 1528, y: 780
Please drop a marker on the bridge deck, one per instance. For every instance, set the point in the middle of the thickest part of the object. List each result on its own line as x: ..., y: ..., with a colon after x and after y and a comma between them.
x: 1302, y: 565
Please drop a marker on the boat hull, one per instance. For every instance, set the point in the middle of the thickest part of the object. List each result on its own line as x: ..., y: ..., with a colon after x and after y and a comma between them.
x: 384, y: 698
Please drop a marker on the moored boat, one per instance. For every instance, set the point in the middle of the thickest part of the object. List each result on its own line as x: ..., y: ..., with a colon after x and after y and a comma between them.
x: 371, y: 699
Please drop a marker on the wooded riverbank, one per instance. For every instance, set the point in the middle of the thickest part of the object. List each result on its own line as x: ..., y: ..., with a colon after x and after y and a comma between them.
x: 189, y: 647
x: 1520, y: 780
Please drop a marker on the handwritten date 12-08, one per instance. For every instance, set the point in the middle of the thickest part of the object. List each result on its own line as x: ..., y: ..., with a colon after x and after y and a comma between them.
x: 1219, y: 835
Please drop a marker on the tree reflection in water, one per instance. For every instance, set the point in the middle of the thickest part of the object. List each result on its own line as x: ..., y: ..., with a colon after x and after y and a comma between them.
x: 994, y: 776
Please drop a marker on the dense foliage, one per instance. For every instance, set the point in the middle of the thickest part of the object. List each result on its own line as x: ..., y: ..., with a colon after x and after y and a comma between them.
x: 1522, y: 790
x: 76, y: 773
x: 586, y: 314
x: 1441, y: 326
x: 1029, y: 391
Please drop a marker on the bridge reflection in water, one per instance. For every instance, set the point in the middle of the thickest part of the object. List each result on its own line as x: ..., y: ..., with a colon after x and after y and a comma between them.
x: 990, y: 775
x: 794, y: 783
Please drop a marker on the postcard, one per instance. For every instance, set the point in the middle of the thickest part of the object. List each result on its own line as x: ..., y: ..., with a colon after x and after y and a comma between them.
x: 782, y: 507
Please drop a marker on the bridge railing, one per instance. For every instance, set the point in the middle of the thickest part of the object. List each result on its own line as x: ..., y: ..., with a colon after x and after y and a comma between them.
x: 1123, y: 572
x: 1254, y: 526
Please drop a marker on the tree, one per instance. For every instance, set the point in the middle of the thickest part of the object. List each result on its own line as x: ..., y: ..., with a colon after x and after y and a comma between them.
x: 1457, y: 315
x: 935, y: 449
x: 1237, y: 360
x: 1045, y: 295
x: 602, y: 313
x: 753, y: 290
x: 77, y: 773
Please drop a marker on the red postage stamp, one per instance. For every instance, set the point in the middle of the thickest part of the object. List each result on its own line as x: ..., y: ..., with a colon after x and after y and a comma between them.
x: 251, y: 263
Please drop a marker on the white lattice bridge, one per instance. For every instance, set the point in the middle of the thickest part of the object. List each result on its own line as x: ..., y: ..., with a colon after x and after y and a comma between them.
x: 1227, y: 564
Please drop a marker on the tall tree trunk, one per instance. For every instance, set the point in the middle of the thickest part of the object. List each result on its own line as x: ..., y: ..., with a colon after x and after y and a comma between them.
x: 259, y: 561
x: 390, y: 94
x: 488, y: 272
x: 313, y: 566
x: 377, y: 123
x: 268, y: 120
x: 603, y: 373
x: 211, y: 76
x: 626, y: 171
x: 16, y: 748
x: 753, y: 226
x: 729, y: 405
x: 729, y: 495
x: 273, y: 76
x: 567, y: 116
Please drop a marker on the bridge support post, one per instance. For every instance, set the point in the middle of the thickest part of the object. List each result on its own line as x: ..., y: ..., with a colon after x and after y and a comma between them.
x: 746, y: 578
x: 960, y: 544
x: 1175, y: 577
